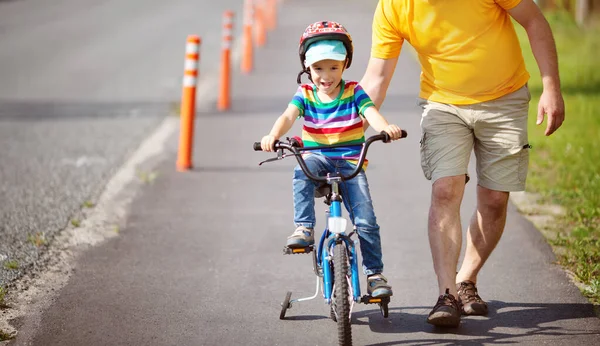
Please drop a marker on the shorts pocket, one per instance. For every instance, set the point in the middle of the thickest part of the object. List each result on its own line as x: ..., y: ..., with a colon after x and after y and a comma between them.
x: 523, y: 163
x: 425, y: 157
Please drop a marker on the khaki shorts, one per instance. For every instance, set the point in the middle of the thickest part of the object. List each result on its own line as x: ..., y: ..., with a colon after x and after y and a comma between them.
x: 495, y: 130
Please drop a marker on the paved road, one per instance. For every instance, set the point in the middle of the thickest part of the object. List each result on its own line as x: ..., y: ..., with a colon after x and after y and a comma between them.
x: 82, y: 83
x: 199, y: 261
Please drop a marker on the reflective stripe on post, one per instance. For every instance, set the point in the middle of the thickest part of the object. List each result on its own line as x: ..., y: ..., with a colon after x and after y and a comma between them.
x: 247, y: 53
x: 271, y: 7
x: 224, y: 92
x: 260, y: 22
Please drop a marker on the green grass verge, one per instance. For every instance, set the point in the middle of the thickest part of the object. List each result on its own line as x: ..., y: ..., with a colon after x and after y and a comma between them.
x: 565, y: 167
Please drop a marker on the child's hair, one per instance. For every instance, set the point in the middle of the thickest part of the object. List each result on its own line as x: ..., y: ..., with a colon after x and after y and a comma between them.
x: 324, y: 30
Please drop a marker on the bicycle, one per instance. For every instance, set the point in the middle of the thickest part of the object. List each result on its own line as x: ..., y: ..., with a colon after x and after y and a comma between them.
x: 335, y: 261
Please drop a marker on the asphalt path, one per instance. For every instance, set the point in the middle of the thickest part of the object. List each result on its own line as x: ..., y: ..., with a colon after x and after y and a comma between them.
x: 199, y: 261
x: 82, y: 82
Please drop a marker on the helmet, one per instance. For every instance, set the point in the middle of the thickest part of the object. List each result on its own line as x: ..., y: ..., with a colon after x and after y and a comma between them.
x: 324, y: 30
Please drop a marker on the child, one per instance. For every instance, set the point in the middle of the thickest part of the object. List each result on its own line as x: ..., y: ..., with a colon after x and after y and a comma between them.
x: 332, y: 110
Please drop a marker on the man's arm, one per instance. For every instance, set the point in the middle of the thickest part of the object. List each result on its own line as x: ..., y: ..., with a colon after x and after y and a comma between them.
x: 543, y: 47
x: 376, y: 80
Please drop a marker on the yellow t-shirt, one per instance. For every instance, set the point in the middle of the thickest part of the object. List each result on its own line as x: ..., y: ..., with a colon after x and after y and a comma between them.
x: 468, y: 50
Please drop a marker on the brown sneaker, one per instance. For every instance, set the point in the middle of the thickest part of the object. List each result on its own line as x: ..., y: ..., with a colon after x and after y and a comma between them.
x: 446, y: 313
x: 470, y: 302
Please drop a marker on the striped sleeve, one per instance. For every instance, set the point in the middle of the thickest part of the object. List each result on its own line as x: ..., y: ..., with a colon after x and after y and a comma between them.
x: 298, y: 100
x: 362, y: 100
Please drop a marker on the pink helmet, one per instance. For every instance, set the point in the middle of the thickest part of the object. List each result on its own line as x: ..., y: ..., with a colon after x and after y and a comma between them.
x: 324, y: 30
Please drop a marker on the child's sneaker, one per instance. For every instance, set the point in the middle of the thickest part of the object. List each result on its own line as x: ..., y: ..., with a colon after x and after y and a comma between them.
x: 377, y: 286
x: 302, y: 237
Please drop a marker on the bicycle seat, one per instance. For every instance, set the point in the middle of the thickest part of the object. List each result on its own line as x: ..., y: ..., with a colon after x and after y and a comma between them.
x: 322, y: 190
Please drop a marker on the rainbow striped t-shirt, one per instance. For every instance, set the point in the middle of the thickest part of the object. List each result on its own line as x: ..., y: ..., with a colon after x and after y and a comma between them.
x: 335, y: 122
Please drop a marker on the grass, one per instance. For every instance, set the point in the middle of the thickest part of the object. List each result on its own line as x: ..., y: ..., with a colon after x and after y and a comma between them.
x: 5, y: 336
x: 38, y: 239
x: 565, y: 167
x: 11, y: 265
x: 88, y: 204
x: 2, y: 296
x: 147, y: 177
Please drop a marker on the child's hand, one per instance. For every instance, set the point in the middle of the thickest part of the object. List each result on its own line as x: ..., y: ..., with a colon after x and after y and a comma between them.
x: 394, y: 131
x: 267, y: 143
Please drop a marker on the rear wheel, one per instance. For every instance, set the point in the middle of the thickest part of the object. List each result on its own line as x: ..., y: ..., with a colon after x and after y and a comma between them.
x: 342, y: 294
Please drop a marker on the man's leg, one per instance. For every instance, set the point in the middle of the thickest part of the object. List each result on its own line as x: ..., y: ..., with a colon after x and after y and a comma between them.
x: 445, y: 232
x: 502, y: 156
x: 446, y: 143
x: 485, y: 230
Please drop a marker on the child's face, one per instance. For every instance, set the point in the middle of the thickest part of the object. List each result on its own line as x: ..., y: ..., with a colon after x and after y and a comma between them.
x: 327, y: 75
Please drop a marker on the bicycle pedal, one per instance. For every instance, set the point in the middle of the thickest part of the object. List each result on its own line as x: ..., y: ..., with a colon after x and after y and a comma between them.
x: 373, y: 300
x: 296, y: 251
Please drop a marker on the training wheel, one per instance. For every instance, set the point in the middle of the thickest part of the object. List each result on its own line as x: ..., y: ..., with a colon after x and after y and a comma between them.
x: 285, y: 305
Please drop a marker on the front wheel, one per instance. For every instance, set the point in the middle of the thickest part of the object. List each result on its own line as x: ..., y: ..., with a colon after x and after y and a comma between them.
x: 342, y: 294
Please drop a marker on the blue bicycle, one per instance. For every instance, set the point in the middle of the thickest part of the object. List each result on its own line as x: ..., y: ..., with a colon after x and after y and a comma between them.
x: 335, y: 260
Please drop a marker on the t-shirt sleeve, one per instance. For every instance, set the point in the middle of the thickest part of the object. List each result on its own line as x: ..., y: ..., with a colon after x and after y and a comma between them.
x: 298, y: 100
x: 386, y: 41
x: 508, y: 4
x: 363, y: 101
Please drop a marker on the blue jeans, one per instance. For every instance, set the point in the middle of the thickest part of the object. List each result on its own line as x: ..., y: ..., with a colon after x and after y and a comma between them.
x: 355, y: 193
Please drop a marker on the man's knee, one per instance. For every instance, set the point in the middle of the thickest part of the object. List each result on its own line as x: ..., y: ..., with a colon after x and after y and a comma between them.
x: 492, y: 200
x: 448, y: 190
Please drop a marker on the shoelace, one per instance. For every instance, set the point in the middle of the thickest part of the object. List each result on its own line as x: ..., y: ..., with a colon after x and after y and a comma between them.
x: 469, y: 291
x: 447, y: 300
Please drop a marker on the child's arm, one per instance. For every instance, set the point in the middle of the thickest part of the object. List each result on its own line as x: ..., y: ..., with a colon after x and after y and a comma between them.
x: 378, y: 122
x: 282, y: 125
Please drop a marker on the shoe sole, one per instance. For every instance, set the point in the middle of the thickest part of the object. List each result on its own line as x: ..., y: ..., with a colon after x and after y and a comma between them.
x: 299, y: 246
x: 475, y: 310
x: 381, y: 295
x: 443, y: 321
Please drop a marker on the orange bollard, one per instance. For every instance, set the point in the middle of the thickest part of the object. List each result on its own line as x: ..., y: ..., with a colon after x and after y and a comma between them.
x: 224, y: 93
x: 271, y: 14
x: 188, y: 103
x: 259, y: 20
x: 247, y: 50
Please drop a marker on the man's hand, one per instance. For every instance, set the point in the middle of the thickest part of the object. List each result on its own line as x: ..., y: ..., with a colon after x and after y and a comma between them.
x: 551, y: 104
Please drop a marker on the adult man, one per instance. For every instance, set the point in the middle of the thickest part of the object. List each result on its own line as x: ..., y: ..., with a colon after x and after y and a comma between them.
x: 474, y: 97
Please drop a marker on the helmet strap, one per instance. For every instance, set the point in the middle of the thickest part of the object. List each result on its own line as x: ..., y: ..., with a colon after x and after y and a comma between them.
x: 299, y: 78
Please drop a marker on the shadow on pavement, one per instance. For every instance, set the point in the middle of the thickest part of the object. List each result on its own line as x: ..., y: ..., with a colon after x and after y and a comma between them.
x: 505, y: 321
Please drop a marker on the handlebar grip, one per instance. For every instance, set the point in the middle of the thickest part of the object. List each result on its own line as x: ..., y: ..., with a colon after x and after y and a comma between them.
x: 257, y: 146
x: 386, y: 136
x: 404, y: 134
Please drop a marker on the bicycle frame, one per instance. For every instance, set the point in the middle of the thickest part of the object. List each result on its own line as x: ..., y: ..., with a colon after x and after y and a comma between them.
x: 333, y: 233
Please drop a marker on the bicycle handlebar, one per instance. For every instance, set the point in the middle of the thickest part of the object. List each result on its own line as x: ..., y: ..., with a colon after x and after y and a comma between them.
x: 295, y: 147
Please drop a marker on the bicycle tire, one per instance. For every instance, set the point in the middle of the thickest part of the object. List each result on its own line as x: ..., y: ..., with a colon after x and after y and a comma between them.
x: 285, y: 305
x: 342, y: 294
